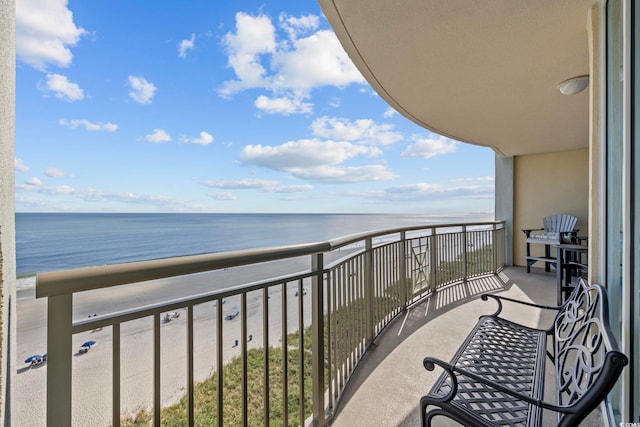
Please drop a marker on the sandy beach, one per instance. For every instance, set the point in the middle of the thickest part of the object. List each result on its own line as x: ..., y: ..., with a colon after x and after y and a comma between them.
x: 92, y: 383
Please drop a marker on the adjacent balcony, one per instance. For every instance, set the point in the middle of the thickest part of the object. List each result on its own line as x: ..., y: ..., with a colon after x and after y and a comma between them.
x: 324, y: 333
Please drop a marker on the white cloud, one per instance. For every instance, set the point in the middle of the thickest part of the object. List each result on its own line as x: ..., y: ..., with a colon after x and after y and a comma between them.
x: 316, y: 160
x: 185, y: 46
x: 44, y: 32
x: 424, y: 191
x: 478, y: 179
x: 158, y: 135
x: 283, y: 105
x: 142, y: 91
x: 20, y: 166
x: 61, y: 189
x: 242, y: 184
x: 427, y: 148
x: 314, y: 61
x: 295, y: 27
x: 344, y: 175
x: 34, y: 181
x: 258, y: 184
x: 390, y: 112
x: 54, y: 173
x: 34, y: 184
x: 62, y: 88
x: 363, y: 131
x: 290, y: 188
x: 224, y: 196
x: 300, y: 154
x: 291, y: 62
x: 421, y: 187
x: 90, y: 126
x: 204, y: 139
x: 254, y: 36
x: 91, y: 195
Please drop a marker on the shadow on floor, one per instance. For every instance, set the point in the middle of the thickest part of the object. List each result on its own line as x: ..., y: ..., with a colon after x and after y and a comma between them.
x: 386, y: 387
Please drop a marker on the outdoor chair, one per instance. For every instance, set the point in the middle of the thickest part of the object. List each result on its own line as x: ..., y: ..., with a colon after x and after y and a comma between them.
x: 556, y: 229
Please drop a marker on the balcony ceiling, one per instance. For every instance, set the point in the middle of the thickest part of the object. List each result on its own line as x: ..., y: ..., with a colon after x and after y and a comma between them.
x: 483, y: 72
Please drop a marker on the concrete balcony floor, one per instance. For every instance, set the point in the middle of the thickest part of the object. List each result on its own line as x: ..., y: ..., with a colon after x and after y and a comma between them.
x: 386, y: 388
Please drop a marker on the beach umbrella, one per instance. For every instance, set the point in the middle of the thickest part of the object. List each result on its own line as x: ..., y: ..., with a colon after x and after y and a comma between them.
x: 89, y: 343
x: 33, y: 358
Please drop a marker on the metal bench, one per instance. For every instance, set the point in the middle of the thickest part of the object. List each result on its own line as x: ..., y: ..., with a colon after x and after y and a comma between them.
x: 556, y: 229
x: 497, y: 376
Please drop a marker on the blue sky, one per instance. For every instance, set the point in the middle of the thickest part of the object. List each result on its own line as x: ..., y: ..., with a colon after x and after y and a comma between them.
x: 201, y: 106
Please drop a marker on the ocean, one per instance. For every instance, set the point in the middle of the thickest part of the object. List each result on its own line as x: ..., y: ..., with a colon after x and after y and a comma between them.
x: 60, y: 241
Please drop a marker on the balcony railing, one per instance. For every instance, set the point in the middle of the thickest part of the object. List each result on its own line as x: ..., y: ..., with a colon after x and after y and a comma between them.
x: 301, y: 335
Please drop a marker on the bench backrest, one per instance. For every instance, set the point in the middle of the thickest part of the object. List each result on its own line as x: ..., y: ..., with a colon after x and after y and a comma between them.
x: 561, y: 223
x: 587, y: 360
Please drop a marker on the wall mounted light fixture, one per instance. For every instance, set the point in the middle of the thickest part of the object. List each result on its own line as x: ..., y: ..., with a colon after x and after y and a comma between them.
x: 574, y: 85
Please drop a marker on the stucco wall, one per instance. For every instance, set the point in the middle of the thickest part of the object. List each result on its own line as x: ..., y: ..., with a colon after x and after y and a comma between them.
x: 7, y: 221
x: 549, y: 184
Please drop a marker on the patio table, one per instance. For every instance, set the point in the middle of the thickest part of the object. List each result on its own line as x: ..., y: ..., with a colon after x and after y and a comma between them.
x: 568, y: 258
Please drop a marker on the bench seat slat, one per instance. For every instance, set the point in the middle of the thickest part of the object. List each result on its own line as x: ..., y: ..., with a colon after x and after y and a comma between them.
x: 507, y: 354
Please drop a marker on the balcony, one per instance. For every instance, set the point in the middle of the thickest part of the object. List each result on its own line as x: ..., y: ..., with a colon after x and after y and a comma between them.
x: 390, y: 379
x: 388, y: 298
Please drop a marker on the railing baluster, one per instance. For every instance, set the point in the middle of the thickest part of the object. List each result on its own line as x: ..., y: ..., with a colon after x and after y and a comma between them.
x: 368, y: 297
x: 156, y: 369
x: 465, y: 253
x: 301, y: 349
x: 219, y: 362
x: 359, y: 286
x: 190, y: 379
x: 495, y: 248
x: 243, y: 349
x: 433, y: 260
x: 285, y: 359
x: 115, y: 419
x: 265, y: 354
x: 339, y: 325
x: 328, y: 340
x: 340, y: 328
x: 349, y: 327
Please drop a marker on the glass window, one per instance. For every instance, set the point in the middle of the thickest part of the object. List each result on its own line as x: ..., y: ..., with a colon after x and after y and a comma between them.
x: 614, y: 175
x: 635, y: 209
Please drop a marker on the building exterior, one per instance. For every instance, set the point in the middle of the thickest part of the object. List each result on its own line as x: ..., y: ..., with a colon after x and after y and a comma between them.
x: 489, y: 73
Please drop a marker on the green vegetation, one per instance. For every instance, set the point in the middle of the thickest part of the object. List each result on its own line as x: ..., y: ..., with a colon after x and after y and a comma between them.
x: 349, y: 320
x: 206, y: 394
x: 478, y: 261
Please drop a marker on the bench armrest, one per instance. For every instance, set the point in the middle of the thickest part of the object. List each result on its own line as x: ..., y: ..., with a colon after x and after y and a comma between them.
x: 499, y: 300
x: 430, y: 363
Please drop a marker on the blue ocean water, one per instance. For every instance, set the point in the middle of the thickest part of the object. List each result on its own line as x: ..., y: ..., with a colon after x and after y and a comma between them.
x: 58, y: 241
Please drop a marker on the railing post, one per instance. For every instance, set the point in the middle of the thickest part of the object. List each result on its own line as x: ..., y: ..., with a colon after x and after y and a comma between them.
x: 402, y: 267
x: 464, y: 254
x: 59, y: 322
x: 368, y: 290
x: 494, y: 247
x: 317, y: 340
x: 433, y: 259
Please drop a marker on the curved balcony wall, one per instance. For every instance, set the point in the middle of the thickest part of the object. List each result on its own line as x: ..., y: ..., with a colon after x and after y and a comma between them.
x: 277, y: 346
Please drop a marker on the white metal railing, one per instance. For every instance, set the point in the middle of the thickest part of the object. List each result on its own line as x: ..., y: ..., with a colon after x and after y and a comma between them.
x: 324, y: 320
